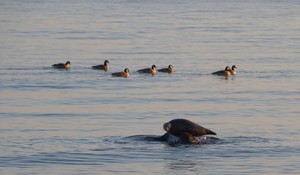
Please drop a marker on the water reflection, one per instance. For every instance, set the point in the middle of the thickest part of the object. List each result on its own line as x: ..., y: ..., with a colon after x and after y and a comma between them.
x: 184, y: 166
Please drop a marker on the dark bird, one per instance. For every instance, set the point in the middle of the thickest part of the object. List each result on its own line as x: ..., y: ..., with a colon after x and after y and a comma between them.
x: 151, y: 70
x: 104, y: 66
x: 124, y: 74
x: 225, y: 72
x: 169, y: 69
x: 62, y: 65
x: 233, y: 71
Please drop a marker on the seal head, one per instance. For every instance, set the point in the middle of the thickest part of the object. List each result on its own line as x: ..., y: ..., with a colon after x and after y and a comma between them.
x: 179, y: 127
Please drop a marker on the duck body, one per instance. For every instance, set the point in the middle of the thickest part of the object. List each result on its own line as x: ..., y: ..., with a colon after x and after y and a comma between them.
x: 104, y: 67
x: 151, y: 70
x: 232, y: 70
x: 124, y: 74
x: 62, y: 65
x: 225, y: 72
x: 169, y: 69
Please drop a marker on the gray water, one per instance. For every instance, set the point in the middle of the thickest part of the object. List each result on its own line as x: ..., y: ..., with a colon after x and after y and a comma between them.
x: 85, y: 121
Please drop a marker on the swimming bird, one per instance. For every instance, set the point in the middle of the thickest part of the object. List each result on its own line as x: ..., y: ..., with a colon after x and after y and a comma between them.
x: 104, y: 67
x: 225, y: 72
x: 184, y: 131
x: 169, y: 69
x: 62, y: 65
x: 124, y: 74
x: 151, y: 70
x: 232, y: 70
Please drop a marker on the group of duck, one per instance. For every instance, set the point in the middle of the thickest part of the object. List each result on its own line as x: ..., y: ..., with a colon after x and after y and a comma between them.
x: 152, y: 70
x: 178, y: 131
x: 227, y: 71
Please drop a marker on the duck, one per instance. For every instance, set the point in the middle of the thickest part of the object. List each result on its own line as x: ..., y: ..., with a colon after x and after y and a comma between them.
x: 232, y: 70
x: 104, y: 67
x: 151, y: 70
x: 124, y: 74
x: 225, y: 72
x: 62, y: 65
x: 169, y: 69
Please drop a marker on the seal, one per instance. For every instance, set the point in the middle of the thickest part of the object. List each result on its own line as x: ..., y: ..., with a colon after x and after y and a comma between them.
x: 151, y: 70
x: 104, y: 66
x: 62, y: 65
x: 124, y: 74
x: 184, y: 131
x: 225, y: 72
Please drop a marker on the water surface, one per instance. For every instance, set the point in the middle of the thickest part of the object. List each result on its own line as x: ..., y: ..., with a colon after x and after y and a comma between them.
x: 85, y: 121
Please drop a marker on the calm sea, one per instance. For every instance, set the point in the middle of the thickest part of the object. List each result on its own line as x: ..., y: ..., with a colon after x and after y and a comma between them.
x: 85, y: 121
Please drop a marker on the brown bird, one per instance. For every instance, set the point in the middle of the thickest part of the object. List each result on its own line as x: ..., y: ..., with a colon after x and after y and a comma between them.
x: 225, y: 72
x: 62, y: 65
x: 104, y: 66
x: 124, y: 74
x: 151, y: 70
x: 233, y: 71
x: 169, y: 69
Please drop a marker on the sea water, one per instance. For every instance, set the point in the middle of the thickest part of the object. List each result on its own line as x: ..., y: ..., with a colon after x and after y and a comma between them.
x: 85, y: 121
